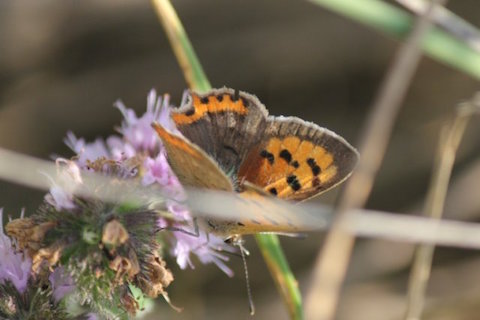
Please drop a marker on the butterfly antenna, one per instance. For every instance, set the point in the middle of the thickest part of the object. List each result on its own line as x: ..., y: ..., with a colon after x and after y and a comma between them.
x: 244, y: 252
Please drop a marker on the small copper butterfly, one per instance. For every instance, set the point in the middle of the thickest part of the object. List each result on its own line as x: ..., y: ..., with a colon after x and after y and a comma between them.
x: 229, y: 142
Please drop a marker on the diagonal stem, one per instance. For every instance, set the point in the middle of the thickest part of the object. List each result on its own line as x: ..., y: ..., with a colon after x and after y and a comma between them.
x: 186, y: 57
x: 449, y: 21
x: 387, y: 18
x: 450, y: 138
x: 332, y: 261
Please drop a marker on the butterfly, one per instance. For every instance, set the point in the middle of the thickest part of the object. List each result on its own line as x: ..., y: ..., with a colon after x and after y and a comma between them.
x: 227, y: 141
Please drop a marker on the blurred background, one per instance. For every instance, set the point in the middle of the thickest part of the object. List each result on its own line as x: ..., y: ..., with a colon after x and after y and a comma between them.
x: 64, y: 63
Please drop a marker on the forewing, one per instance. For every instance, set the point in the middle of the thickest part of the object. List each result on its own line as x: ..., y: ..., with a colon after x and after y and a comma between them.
x: 224, y: 123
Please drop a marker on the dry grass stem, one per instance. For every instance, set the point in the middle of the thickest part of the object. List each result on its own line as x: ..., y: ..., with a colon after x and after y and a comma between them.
x: 208, y: 203
x: 332, y: 262
x: 450, y: 138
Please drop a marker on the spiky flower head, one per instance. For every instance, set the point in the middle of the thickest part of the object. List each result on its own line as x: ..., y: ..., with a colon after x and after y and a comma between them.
x: 23, y: 296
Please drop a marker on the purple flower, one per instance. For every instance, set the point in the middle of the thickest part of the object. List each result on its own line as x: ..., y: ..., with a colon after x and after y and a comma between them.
x: 61, y: 196
x: 158, y: 171
x: 92, y: 316
x: 138, y: 131
x: 14, y: 266
x: 207, y: 250
x: 61, y: 282
x: 86, y: 151
x: 138, y: 138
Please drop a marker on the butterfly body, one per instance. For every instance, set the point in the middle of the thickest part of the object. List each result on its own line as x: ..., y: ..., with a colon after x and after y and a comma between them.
x: 228, y: 142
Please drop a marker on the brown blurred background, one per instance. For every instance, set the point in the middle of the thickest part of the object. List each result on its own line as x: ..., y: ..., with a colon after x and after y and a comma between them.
x: 63, y: 64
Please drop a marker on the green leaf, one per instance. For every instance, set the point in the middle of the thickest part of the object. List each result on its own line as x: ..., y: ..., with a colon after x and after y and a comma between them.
x: 396, y: 22
x: 284, y: 279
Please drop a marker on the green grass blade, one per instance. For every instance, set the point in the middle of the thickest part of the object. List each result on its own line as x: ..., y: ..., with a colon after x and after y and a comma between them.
x: 389, y: 19
x: 196, y: 79
x: 284, y: 279
x: 191, y: 67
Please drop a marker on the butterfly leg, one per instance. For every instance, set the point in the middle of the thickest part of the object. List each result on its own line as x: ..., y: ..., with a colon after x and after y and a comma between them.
x: 195, y: 233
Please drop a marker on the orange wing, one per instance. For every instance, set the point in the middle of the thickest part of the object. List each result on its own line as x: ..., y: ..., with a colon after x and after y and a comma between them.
x: 224, y: 123
x: 298, y: 160
x: 228, y: 131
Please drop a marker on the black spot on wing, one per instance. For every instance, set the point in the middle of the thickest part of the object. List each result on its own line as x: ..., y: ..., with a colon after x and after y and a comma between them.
x: 273, y: 191
x: 295, y: 164
x: 220, y: 97
x: 204, y: 100
x: 190, y: 112
x: 293, y: 182
x: 267, y: 155
x: 314, y: 166
x: 286, y: 155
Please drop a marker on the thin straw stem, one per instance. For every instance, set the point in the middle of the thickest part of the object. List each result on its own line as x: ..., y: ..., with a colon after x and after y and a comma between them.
x: 450, y: 138
x: 332, y: 261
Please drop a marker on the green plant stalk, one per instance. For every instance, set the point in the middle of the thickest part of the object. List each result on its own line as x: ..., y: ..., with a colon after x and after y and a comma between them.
x: 389, y: 19
x: 197, y: 80
x: 186, y: 57
x: 280, y: 270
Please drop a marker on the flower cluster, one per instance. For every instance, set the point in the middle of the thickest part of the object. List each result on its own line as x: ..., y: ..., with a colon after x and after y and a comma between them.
x: 139, y: 140
x: 97, y: 250
x: 23, y: 296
